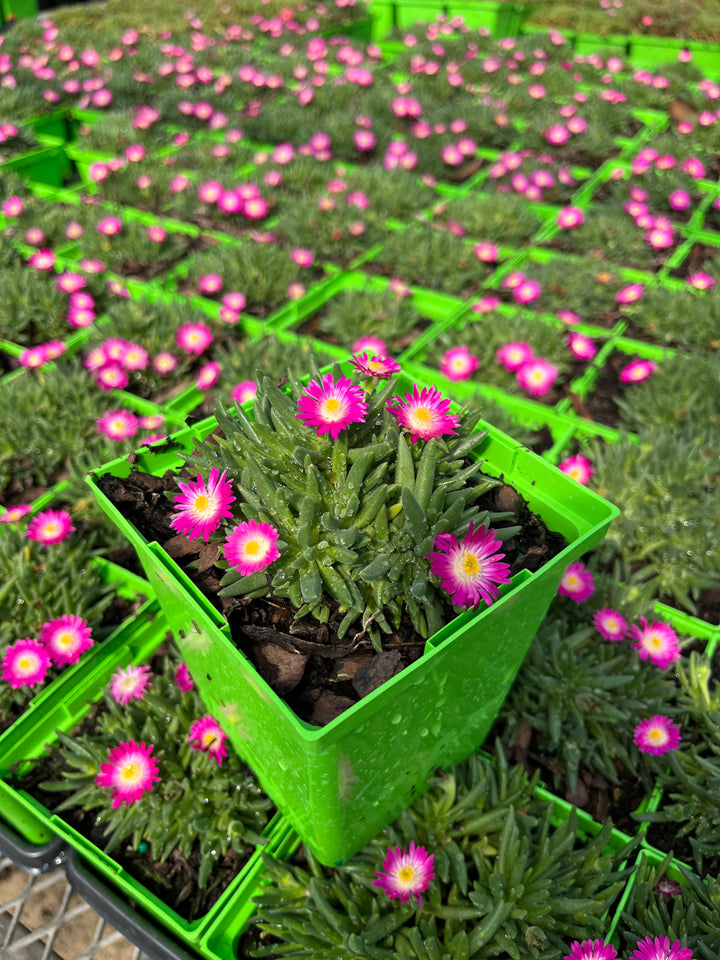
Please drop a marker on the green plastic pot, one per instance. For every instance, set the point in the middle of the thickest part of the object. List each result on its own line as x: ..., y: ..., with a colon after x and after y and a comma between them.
x: 586, y: 43
x: 410, y: 12
x: 501, y: 19
x: 47, y: 165
x: 69, y: 702
x: 340, y: 784
x: 18, y: 9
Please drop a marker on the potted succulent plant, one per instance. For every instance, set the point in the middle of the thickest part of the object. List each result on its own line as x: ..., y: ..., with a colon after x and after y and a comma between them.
x: 359, y: 523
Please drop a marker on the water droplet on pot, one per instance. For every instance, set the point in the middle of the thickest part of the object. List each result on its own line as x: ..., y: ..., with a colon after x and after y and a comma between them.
x: 424, y: 732
x: 397, y: 718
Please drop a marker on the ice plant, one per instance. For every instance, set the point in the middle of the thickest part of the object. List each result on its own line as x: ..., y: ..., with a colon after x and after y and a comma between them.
x: 577, y: 467
x: 377, y: 368
x: 330, y: 407
x: 50, y: 527
x: 471, y: 569
x: 537, y: 376
x: 577, y: 582
x: 244, y: 391
x: 657, y: 642
x: 513, y: 355
x: 129, y: 772
x: 118, y: 424
x: 406, y: 873
x: 200, y: 506
x: 637, y: 371
x: 424, y: 413
x: 194, y: 337
x: 250, y: 546
x: 129, y: 683
x: 656, y: 735
x: 25, y: 663
x: 183, y: 679
x: 207, y: 735
x: 591, y: 950
x: 66, y: 638
x: 660, y: 948
x: 458, y: 363
x: 610, y: 624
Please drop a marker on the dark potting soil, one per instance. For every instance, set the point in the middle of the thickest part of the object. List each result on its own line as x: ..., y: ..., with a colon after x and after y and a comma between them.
x: 601, y: 404
x: 593, y: 792
x: 664, y: 837
x: 174, y: 881
x: 317, y: 674
x: 708, y: 606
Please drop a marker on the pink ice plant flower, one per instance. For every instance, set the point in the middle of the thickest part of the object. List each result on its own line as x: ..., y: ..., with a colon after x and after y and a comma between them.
x: 50, y: 527
x: 630, y: 294
x: 577, y: 582
x: 660, y: 948
x: 537, y: 376
x: 13, y: 207
x: 577, y: 467
x: 637, y: 371
x: 129, y: 683
x: 251, y: 546
x: 66, y: 638
x: 370, y: 345
x: 130, y: 771
x: 514, y: 355
x: 331, y: 407
x: 15, y: 513
x: 486, y: 252
x: 193, y: 337
x: 527, y: 291
x: 200, y: 506
x: 657, y: 735
x: 42, y: 259
x: 207, y: 735
x: 610, y: 624
x: 591, y: 950
x: 424, y: 413
x: 182, y: 678
x: 244, y: 391
x: 118, y: 425
x: 657, y: 642
x: 25, y: 663
x: 207, y: 376
x: 379, y: 368
x: 33, y: 357
x: 580, y: 346
x: 406, y: 873
x: 458, y: 363
x: 701, y: 281
x: 570, y: 217
x: 470, y: 569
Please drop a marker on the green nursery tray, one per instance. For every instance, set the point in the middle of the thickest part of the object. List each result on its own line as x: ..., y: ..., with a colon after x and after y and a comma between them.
x: 45, y: 165
x: 68, y: 703
x: 375, y: 757
x: 656, y: 51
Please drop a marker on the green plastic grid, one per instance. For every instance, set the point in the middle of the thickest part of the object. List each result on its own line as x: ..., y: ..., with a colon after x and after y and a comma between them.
x: 71, y: 700
x: 47, y: 164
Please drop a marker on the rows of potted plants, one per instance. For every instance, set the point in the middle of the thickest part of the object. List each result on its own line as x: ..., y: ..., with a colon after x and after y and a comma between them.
x: 635, y: 392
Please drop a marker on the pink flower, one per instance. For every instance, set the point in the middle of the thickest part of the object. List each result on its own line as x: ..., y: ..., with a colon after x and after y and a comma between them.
x: 66, y: 638
x: 302, y: 257
x: 637, y: 371
x: 371, y: 345
x: 164, y: 363
x: 194, y: 337
x: 15, y: 513
x: 206, y: 734
x: 701, y: 281
x: 242, y: 392
x: 514, y: 355
x: 577, y: 582
x: 471, y: 569
x: 577, y: 467
x: 210, y: 283
x: 13, y: 207
x: 537, y: 376
x: 656, y: 736
x: 591, y: 950
x: 330, y: 407
x: 656, y: 642
x: 458, y: 363
x: 118, y: 425
x: 610, y: 624
x: 486, y: 252
x: 570, y: 217
x: 379, y: 368
x: 250, y: 546
x: 50, y: 526
x: 130, y: 771
x: 182, y: 678
x: 679, y: 200
x: 200, y: 507
x: 557, y: 135
x: 581, y: 347
x: 25, y: 663
x: 111, y: 377
x: 660, y: 949
x: 109, y: 226
x: 407, y: 873
x: 527, y: 291
x: 630, y: 294
x: 129, y: 683
x: 42, y: 259
x: 424, y: 413
x: 33, y: 357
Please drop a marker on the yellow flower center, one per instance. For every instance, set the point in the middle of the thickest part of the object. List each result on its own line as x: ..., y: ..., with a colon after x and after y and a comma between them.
x: 209, y: 738
x: 572, y: 580
x: 51, y: 529
x: 201, y: 503
x: 332, y: 408
x: 252, y: 547
x: 25, y: 664
x: 655, y: 734
x: 131, y: 773
x: 66, y: 639
x: 470, y: 565
x: 376, y: 365
x: 406, y: 874
x: 655, y: 641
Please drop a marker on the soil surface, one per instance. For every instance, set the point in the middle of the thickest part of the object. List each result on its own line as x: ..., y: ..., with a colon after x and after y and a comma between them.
x: 305, y: 662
